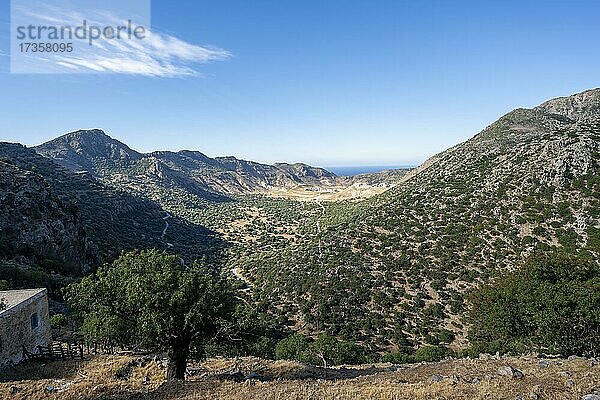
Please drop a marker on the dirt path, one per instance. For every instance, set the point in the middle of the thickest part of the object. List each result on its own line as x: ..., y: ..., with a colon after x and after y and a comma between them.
x: 236, y: 272
x: 164, y: 232
x: 319, y: 230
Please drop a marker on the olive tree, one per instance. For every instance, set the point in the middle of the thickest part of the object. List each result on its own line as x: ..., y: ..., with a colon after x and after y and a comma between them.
x: 149, y: 299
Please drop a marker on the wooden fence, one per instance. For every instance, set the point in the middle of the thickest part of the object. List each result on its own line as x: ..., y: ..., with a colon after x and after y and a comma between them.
x: 55, y: 351
x: 73, y: 350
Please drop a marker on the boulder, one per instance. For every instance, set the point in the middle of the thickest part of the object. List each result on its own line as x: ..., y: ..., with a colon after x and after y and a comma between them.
x: 507, y: 370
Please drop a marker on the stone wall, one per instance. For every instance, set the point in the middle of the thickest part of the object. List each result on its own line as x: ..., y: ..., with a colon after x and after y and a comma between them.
x: 17, y: 328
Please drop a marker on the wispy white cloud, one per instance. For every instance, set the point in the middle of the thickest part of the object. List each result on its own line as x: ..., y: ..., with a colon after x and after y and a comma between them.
x: 40, y: 16
x: 158, y: 54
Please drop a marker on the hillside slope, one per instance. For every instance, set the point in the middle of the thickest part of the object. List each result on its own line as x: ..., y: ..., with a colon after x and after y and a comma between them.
x: 35, y: 223
x: 395, y: 270
x: 50, y: 212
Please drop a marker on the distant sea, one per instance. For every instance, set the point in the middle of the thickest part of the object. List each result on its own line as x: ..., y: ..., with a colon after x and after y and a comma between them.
x: 363, y: 169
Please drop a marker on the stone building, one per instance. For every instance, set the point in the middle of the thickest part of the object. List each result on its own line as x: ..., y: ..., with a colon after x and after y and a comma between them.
x: 24, y: 321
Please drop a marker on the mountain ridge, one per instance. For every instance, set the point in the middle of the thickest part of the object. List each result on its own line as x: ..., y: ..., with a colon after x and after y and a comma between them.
x: 94, y: 151
x: 390, y: 270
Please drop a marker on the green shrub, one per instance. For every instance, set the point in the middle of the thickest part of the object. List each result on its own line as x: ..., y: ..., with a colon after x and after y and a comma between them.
x: 432, y: 353
x: 59, y: 321
x: 446, y: 336
x: 335, y: 352
x: 248, y: 333
x: 295, y: 347
x: 593, y: 240
x: 550, y: 304
x: 326, y: 350
x: 398, y: 358
x: 59, y: 267
x: 122, y: 372
x: 263, y: 347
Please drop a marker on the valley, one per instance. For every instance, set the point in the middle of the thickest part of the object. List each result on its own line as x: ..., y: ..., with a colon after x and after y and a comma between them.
x: 385, y: 260
x: 301, y: 200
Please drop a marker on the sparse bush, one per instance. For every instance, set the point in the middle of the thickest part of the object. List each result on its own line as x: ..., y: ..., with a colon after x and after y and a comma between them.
x: 333, y: 351
x: 59, y: 267
x: 294, y: 347
x: 432, y: 353
x: 398, y: 358
x: 446, y: 336
x: 122, y: 372
x: 247, y: 333
x: 263, y: 347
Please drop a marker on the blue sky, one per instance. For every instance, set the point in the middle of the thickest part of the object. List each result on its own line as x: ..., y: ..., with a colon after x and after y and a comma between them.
x: 324, y: 82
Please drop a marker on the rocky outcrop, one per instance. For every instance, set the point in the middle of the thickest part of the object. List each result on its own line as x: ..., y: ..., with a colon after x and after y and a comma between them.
x: 88, y: 150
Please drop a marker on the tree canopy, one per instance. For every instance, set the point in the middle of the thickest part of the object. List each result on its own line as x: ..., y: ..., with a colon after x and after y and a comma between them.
x: 149, y: 299
x: 550, y: 304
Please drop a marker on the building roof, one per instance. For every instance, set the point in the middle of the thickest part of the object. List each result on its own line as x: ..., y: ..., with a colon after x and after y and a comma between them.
x: 13, y: 298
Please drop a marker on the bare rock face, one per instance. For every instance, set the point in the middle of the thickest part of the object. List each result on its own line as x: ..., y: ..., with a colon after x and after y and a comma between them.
x: 584, y: 106
x: 591, y: 397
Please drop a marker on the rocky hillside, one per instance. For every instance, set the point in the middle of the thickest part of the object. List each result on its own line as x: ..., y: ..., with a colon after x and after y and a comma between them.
x: 51, y: 212
x: 387, y: 178
x: 395, y: 269
x: 191, y: 171
x: 84, y: 197
x: 36, y: 224
x: 89, y: 150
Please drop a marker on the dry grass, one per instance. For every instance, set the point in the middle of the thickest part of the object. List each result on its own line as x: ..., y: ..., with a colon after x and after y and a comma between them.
x: 461, y: 379
x: 92, y: 378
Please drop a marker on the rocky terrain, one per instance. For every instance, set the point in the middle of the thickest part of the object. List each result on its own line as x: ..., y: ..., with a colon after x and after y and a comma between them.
x: 389, y: 271
x: 79, y: 200
x: 198, y: 176
x: 104, y: 377
x: 37, y: 223
x: 355, y: 188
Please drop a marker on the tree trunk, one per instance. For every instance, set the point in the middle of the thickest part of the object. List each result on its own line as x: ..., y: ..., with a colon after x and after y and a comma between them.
x: 178, y: 355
